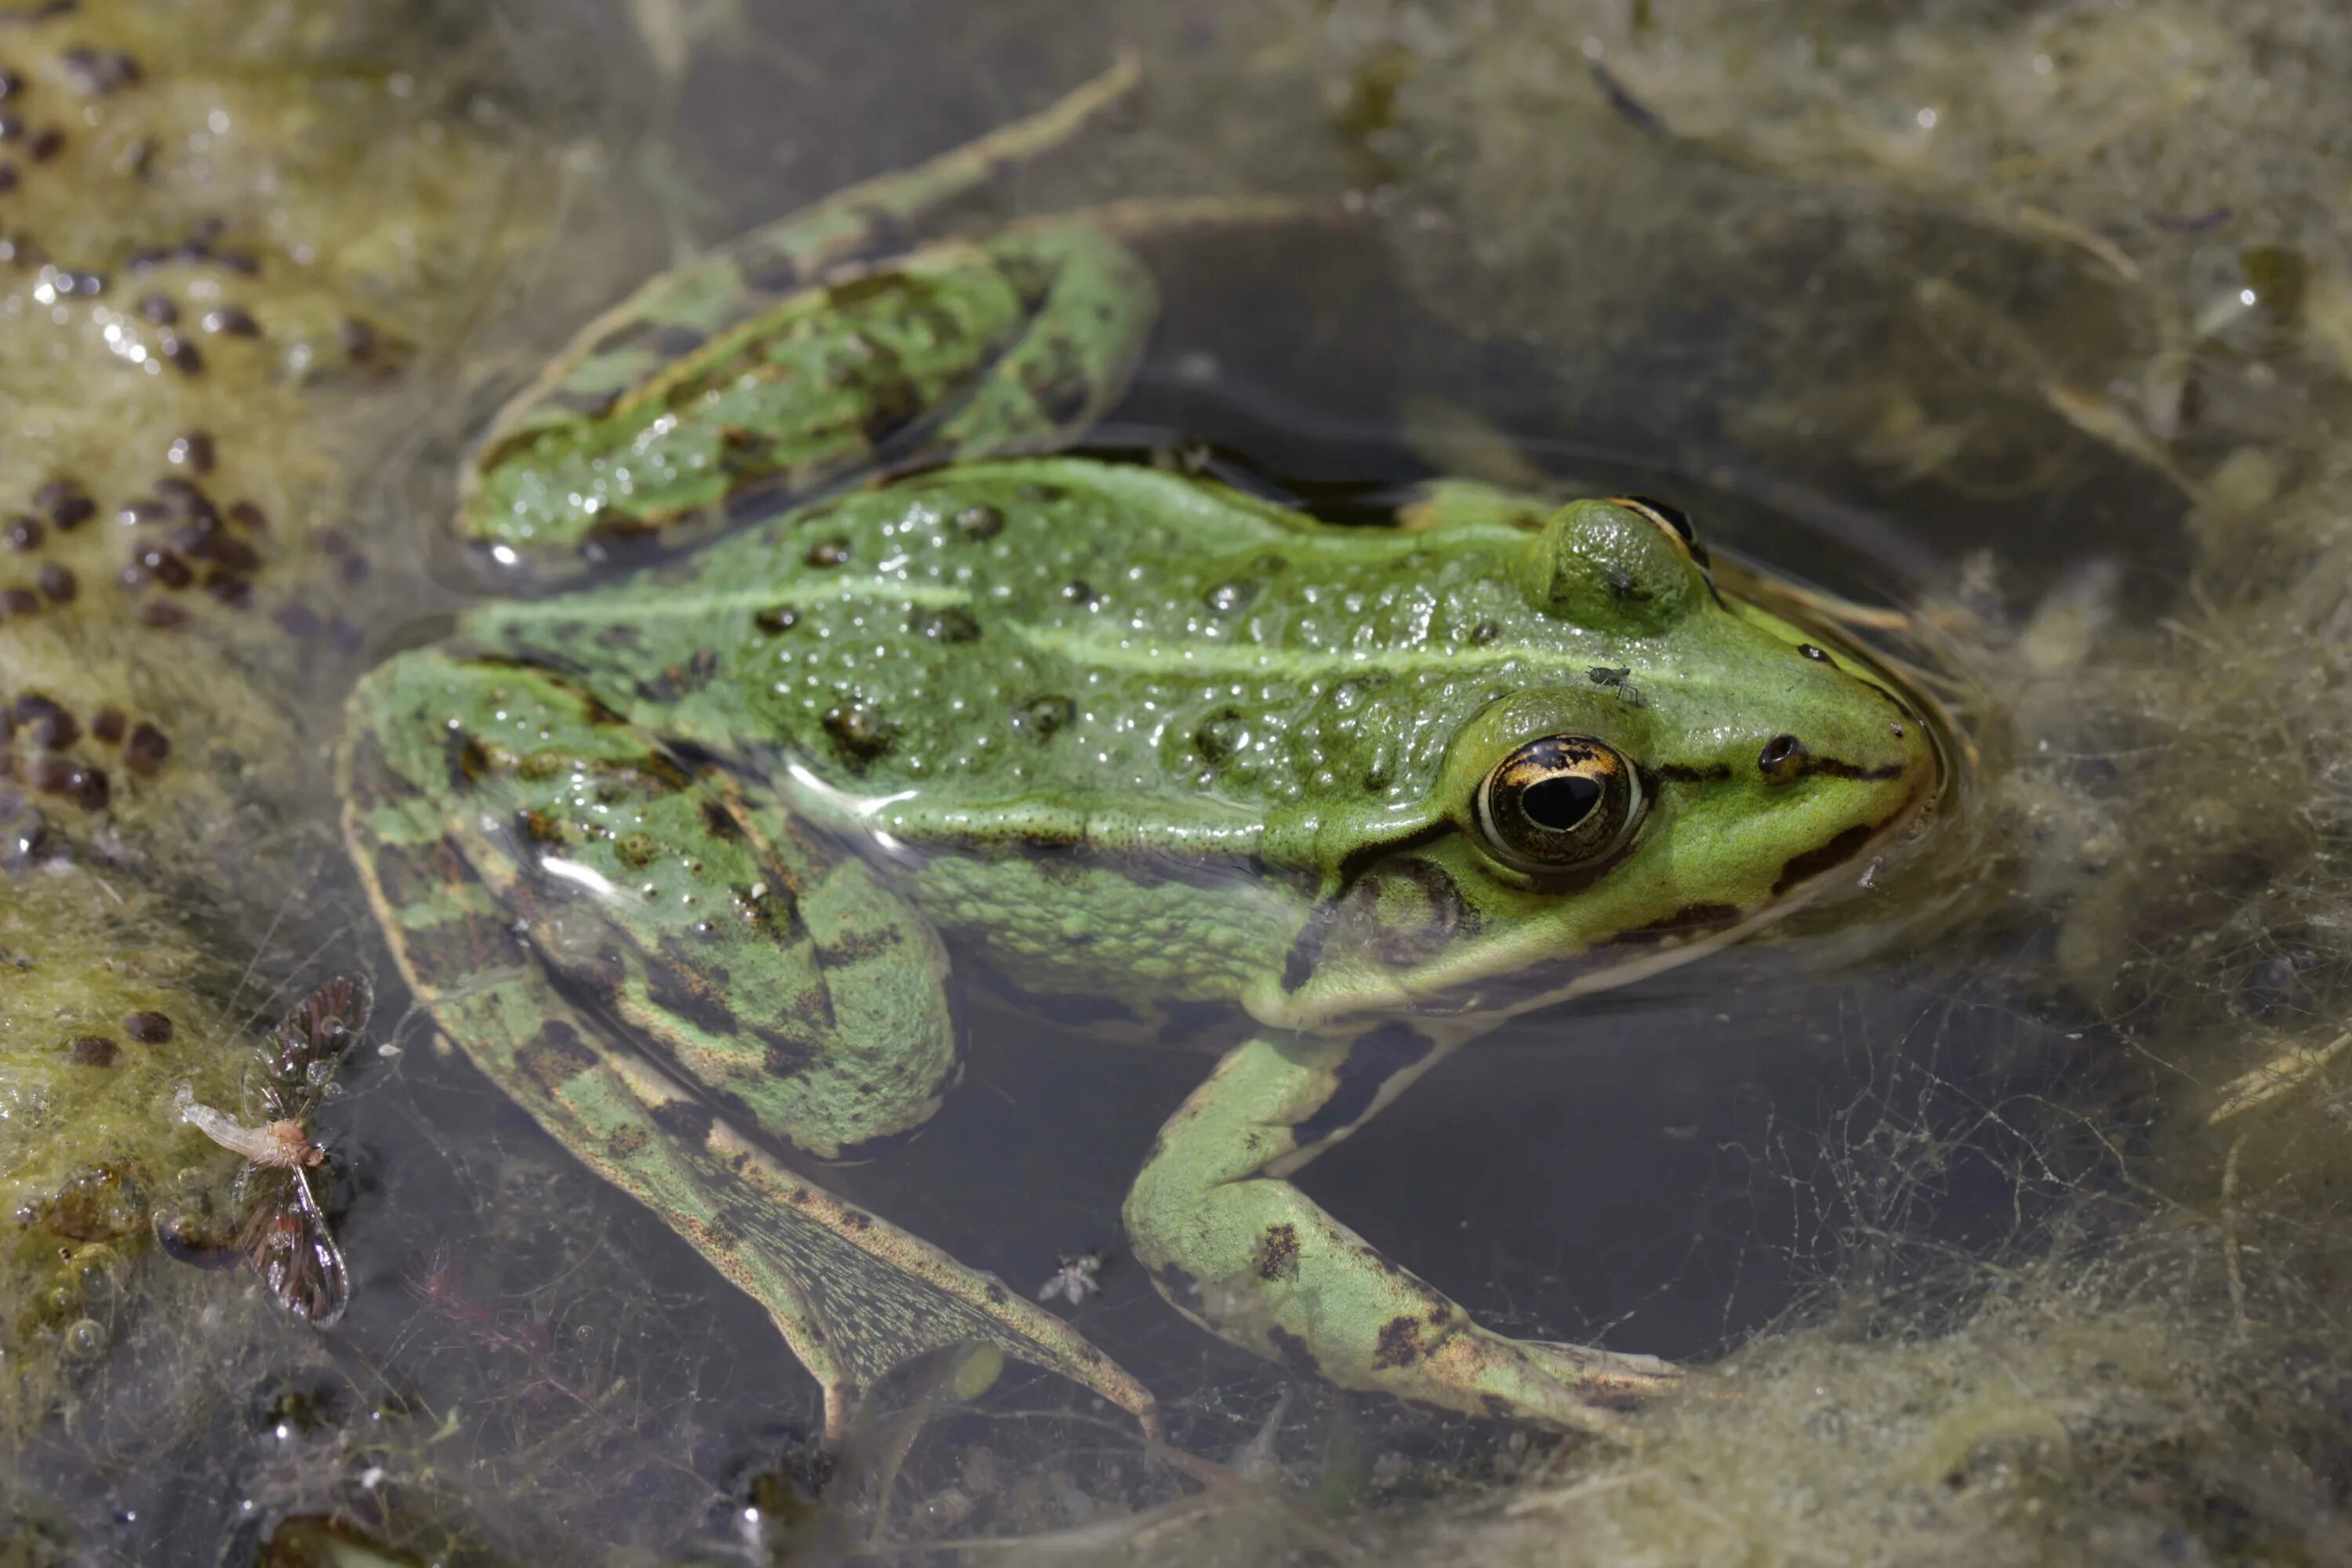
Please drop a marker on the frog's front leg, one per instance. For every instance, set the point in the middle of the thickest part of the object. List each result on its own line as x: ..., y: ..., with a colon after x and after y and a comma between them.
x: 1236, y: 1246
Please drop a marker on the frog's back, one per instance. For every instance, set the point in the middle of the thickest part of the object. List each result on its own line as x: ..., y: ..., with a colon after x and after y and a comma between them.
x: 1062, y: 630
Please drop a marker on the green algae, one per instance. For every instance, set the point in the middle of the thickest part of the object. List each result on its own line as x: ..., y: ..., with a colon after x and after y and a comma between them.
x: 258, y: 220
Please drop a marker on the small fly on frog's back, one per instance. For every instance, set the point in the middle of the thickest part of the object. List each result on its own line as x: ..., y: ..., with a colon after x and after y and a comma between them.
x: 281, y: 1228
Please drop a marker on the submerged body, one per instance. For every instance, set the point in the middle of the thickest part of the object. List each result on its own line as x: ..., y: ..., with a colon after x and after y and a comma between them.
x: 686, y: 862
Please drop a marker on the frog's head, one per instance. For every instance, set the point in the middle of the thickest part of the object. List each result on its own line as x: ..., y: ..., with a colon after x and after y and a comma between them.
x: 1604, y: 821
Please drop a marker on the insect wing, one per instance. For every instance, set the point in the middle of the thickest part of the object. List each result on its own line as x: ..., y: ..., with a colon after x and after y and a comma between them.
x: 286, y: 1241
x: 321, y: 1027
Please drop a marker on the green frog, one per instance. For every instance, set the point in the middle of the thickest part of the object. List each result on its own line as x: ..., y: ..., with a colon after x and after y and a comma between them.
x: 699, y: 864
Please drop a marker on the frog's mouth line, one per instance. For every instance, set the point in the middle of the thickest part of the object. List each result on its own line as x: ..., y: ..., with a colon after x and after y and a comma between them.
x: 1511, y: 990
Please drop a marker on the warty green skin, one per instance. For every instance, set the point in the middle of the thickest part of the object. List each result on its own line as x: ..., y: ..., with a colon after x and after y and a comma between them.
x: 688, y: 864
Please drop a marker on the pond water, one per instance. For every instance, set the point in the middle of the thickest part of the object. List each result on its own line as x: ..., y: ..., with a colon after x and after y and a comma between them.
x: 2003, y: 341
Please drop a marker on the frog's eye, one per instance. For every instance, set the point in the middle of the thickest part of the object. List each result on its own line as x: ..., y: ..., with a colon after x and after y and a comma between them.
x: 1672, y: 519
x: 1558, y: 803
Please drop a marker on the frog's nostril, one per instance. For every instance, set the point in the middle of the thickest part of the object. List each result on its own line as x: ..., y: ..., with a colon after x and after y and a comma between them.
x: 1782, y: 759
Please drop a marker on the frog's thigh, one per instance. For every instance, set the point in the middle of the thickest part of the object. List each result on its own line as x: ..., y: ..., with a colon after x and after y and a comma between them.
x: 1241, y: 1250
x: 852, y: 1295
x: 780, y: 977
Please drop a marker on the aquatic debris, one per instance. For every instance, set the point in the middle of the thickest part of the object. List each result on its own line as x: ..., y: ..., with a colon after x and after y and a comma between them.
x: 283, y: 1231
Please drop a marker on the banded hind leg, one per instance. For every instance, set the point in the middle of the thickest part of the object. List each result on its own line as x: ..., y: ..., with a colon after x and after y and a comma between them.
x: 1236, y: 1246
x: 662, y: 986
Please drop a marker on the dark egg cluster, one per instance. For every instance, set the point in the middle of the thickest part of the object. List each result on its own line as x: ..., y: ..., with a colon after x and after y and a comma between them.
x: 47, y: 749
x: 174, y: 537
x: 103, y: 1050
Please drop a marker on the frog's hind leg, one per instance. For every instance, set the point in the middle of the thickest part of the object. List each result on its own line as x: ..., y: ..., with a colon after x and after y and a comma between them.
x: 1232, y: 1245
x: 482, y: 937
x: 754, y: 272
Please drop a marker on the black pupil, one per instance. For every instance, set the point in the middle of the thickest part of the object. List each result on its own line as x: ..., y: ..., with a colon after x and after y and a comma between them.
x: 1557, y: 804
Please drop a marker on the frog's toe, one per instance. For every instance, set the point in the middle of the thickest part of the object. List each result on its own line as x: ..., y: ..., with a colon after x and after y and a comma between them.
x: 1573, y: 1387
x: 1609, y: 1375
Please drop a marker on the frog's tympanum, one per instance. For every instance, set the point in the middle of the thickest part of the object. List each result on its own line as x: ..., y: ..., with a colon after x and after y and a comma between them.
x: 688, y: 861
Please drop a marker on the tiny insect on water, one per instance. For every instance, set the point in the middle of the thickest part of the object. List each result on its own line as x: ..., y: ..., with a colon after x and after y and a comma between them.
x: 282, y: 1229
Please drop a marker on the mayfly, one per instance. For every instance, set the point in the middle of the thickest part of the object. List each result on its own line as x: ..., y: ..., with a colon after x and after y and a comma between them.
x: 282, y: 1229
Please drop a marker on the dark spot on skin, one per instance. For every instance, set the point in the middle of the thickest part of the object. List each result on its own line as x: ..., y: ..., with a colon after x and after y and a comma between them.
x: 684, y: 1120
x: 24, y: 532
x: 107, y: 725
x: 1277, y: 1253
x: 828, y: 552
x: 856, y: 1219
x: 538, y: 827
x: 856, y: 947
x: 947, y: 626
x: 681, y: 680
x: 59, y: 585
x: 619, y: 635
x: 1782, y: 759
x: 1221, y: 735
x: 626, y: 1142
x: 1809, y: 651
x: 447, y: 953
x: 92, y: 1051
x: 1687, y: 773
x: 719, y: 823
x: 1687, y: 920
x: 1813, y: 862
x: 1894, y: 728
x: 996, y: 1295
x: 1046, y: 716
x: 1497, y: 1407
x: 148, y: 1028
x: 785, y: 1056
x: 694, y: 995
x: 162, y: 617
x: 1373, y: 1059
x: 1079, y: 592
x: 1400, y: 1342
x: 1484, y: 632
x: 776, y: 618
x: 1293, y: 1351
x: 469, y: 763
x: 978, y: 523
x: 858, y: 733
